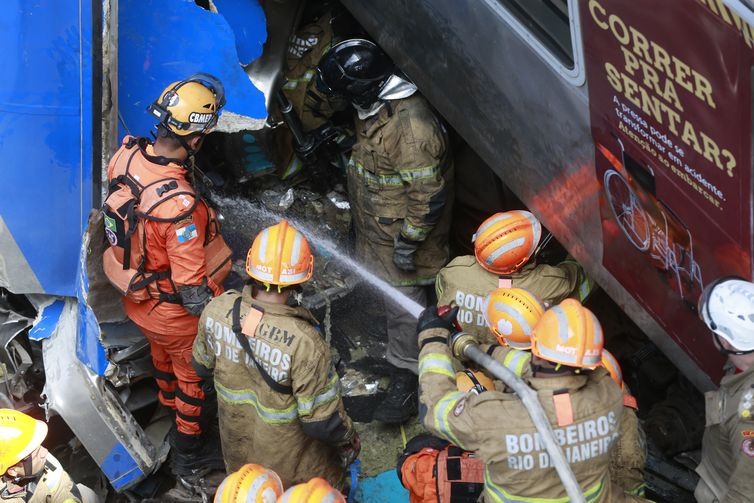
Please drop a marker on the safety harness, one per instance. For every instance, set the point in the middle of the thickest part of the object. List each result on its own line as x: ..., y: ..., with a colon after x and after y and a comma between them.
x: 128, y: 205
x: 249, y: 328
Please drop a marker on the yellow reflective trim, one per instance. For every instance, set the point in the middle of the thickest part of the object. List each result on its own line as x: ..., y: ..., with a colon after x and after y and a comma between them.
x: 442, y: 411
x: 386, y: 180
x: 437, y: 363
x: 249, y: 397
x: 500, y: 495
x: 421, y: 173
x: 306, y: 405
x: 515, y: 360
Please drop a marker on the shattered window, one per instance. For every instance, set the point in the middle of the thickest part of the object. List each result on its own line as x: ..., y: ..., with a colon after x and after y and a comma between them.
x: 549, y: 21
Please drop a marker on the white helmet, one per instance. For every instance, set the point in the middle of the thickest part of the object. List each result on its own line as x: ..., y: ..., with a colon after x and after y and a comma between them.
x: 727, y: 308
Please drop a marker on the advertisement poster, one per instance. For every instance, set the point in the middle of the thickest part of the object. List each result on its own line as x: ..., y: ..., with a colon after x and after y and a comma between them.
x: 670, y: 108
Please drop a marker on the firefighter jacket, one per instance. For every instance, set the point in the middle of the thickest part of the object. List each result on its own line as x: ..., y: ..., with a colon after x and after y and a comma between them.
x: 54, y: 486
x: 284, y: 410
x: 498, y: 428
x: 400, y: 183
x: 305, y: 48
x: 629, y: 456
x: 466, y: 283
x: 727, y: 466
x: 174, y: 240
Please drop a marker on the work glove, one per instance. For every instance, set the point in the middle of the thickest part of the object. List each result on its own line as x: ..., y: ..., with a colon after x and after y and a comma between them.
x: 403, y: 253
x: 350, y: 451
x: 195, y: 297
x: 431, y: 317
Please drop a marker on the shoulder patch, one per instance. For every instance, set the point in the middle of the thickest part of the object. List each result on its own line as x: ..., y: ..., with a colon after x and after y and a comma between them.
x: 747, y: 447
x: 186, y: 233
x: 746, y: 405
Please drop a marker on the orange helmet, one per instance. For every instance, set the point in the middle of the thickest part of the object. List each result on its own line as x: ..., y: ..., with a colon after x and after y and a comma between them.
x: 569, y: 334
x: 317, y: 490
x: 613, y: 367
x: 469, y: 379
x: 250, y: 483
x: 20, y: 434
x: 506, y: 241
x: 280, y: 255
x: 511, y: 314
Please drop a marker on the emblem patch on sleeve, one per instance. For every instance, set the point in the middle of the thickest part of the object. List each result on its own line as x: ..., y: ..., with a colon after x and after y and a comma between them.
x: 747, y: 446
x: 186, y: 233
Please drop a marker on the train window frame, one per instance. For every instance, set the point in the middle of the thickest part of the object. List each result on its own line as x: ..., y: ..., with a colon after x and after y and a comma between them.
x: 576, y: 75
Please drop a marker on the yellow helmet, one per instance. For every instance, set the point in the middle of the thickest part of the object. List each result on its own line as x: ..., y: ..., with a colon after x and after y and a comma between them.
x: 568, y: 334
x: 511, y: 314
x: 20, y: 434
x: 473, y: 379
x: 280, y: 255
x: 191, y: 105
x: 317, y: 490
x: 250, y: 484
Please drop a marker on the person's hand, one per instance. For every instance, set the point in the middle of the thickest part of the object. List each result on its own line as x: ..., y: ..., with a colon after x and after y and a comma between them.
x: 403, y: 253
x: 430, y: 318
x: 350, y: 451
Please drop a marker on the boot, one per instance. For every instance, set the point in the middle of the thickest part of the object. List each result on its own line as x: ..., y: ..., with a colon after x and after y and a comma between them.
x: 401, y: 401
x: 194, y: 455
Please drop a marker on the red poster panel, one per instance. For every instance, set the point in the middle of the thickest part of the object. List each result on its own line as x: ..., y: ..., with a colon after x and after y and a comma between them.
x: 670, y: 108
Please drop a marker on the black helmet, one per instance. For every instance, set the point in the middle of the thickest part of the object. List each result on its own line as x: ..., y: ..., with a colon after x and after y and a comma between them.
x: 355, y: 69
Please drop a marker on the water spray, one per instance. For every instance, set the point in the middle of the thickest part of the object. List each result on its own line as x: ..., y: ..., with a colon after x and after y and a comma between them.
x: 246, y: 206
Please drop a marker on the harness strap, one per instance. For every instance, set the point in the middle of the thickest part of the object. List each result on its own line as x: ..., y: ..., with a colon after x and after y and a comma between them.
x: 272, y: 383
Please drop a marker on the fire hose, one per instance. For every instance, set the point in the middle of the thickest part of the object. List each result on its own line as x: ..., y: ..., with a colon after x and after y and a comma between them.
x: 465, y: 348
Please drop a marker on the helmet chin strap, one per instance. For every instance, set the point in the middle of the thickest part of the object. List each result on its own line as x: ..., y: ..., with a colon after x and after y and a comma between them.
x: 721, y: 349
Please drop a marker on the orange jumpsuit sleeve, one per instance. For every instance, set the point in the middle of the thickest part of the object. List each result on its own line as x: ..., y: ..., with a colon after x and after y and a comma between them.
x: 184, y: 245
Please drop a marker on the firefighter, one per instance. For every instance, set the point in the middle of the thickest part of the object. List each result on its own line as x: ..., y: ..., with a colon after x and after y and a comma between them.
x: 584, y: 406
x: 250, y: 483
x: 278, y: 393
x: 167, y: 256
x: 727, y: 468
x: 29, y: 472
x: 400, y: 188
x: 628, y: 459
x: 505, y: 249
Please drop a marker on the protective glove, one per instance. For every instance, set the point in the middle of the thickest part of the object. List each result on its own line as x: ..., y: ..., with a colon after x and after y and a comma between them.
x: 350, y: 451
x: 195, y: 297
x: 430, y: 318
x: 403, y: 253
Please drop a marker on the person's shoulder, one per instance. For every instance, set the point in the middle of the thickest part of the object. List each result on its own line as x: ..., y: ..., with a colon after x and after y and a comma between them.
x: 223, y: 303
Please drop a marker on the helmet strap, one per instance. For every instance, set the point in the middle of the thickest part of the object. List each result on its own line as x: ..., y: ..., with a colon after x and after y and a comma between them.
x: 28, y: 476
x: 723, y: 351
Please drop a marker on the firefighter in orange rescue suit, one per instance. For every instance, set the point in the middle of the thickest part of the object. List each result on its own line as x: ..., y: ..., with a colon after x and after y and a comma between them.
x: 505, y: 249
x: 28, y: 473
x: 585, y: 408
x: 167, y: 256
x: 400, y: 186
x: 278, y: 393
x: 727, y: 468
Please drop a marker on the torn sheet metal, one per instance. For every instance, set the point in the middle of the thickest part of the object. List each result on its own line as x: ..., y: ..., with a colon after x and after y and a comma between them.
x: 164, y: 41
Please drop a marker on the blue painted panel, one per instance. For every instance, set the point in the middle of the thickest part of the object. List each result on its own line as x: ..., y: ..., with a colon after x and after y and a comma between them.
x: 45, y: 129
x: 247, y: 20
x: 49, y: 319
x: 382, y: 488
x: 120, y: 468
x: 163, y: 41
